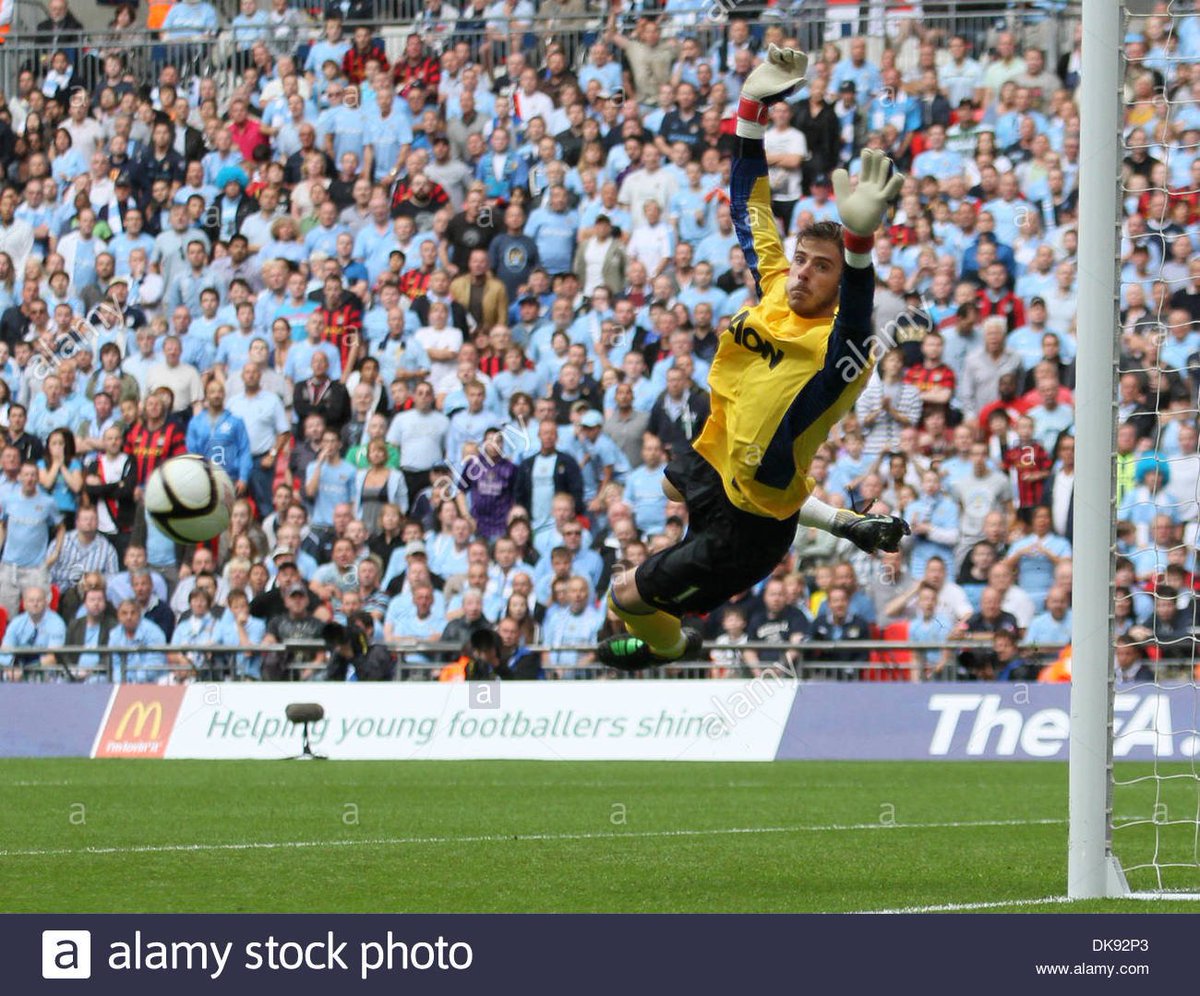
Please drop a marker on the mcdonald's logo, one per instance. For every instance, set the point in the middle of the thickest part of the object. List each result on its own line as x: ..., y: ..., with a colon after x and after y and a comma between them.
x: 143, y: 713
x: 139, y: 721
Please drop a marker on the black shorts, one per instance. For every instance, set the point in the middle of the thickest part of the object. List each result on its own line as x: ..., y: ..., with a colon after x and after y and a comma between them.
x: 725, y: 551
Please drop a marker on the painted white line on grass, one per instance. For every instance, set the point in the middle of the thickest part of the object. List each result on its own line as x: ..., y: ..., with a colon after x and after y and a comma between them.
x: 33, y: 784
x: 1044, y: 901
x: 967, y: 907
x: 272, y: 845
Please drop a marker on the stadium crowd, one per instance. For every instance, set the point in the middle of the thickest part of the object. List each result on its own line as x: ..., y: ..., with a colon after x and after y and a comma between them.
x: 444, y: 308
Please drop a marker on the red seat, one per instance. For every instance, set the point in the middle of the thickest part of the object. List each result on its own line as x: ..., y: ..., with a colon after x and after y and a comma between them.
x: 891, y: 660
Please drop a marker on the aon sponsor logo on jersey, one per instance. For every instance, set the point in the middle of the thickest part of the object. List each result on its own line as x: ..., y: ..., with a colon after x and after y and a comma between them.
x: 748, y: 338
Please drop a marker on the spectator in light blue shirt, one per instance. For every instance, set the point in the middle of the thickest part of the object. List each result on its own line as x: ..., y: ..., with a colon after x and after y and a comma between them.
x: 857, y: 69
x: 330, y: 480
x: 1035, y: 556
x: 237, y: 627
x: 220, y: 436
x: 702, y: 289
x: 132, y: 631
x: 600, y: 459
x: 248, y: 25
x: 715, y: 248
x: 930, y: 626
x: 936, y: 160
x: 37, y: 627
x: 190, y: 21
x: 50, y: 409
x: 298, y: 365
x: 417, y: 619
x: 1053, y: 625
x: 934, y: 520
x: 553, y: 228
x: 322, y: 237
x: 578, y: 622
x: 600, y: 66
x: 1051, y: 417
x: 690, y: 208
x: 643, y: 488
x: 388, y: 135
x: 332, y: 47
x: 30, y: 523
x: 124, y: 242
x: 645, y: 392
x: 516, y: 377
x: 892, y: 105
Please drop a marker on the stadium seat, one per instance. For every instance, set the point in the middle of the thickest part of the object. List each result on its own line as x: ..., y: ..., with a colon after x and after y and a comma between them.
x: 896, y: 632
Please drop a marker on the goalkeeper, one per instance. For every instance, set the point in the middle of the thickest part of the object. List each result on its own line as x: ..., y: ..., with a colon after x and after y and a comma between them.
x: 785, y: 372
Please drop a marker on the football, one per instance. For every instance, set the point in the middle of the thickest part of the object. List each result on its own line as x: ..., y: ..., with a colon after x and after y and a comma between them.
x: 190, y: 499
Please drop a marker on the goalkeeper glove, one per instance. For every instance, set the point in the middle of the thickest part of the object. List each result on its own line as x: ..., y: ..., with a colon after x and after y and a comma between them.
x: 862, y: 210
x: 777, y: 77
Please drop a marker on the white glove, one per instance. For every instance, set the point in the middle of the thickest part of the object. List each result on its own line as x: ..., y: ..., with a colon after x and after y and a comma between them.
x: 863, y: 209
x: 779, y: 75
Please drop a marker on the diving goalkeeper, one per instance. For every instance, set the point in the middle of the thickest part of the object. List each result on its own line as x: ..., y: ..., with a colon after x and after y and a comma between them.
x: 785, y: 372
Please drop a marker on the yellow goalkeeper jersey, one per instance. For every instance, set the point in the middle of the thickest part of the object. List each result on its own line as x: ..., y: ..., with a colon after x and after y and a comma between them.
x: 779, y: 382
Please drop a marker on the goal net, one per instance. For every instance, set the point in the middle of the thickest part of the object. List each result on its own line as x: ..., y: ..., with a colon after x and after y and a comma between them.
x: 1145, y: 455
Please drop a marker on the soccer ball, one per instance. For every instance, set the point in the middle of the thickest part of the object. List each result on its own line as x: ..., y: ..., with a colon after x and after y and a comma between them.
x: 190, y: 499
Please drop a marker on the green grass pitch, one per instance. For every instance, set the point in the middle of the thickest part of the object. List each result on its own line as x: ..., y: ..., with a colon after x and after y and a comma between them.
x: 173, y: 836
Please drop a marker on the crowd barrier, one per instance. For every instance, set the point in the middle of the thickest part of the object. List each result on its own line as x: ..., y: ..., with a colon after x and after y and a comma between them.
x: 869, y: 660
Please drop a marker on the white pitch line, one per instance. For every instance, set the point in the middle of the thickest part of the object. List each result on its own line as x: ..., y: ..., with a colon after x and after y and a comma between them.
x: 967, y: 907
x: 508, y: 838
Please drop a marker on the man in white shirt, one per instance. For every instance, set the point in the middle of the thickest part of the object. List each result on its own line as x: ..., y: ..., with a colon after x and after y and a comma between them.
x: 86, y: 133
x: 652, y: 242
x: 182, y: 378
x: 420, y: 433
x: 16, y: 235
x: 529, y: 102
x: 961, y: 77
x: 267, y: 428
x: 786, y: 149
x: 441, y: 343
x: 650, y: 182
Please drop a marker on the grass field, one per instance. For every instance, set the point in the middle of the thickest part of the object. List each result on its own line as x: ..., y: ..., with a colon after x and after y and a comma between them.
x: 160, y: 836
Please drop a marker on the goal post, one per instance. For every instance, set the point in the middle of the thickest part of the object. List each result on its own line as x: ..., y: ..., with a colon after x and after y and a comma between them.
x: 1092, y: 869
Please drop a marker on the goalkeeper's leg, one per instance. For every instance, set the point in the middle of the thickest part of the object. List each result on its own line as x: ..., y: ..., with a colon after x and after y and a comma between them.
x: 724, y: 552
x: 654, y: 636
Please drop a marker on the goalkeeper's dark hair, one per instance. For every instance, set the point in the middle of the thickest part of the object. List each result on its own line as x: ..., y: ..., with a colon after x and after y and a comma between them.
x: 821, y: 231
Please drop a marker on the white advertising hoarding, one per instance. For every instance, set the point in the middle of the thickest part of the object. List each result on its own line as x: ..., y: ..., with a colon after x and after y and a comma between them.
x: 682, y: 720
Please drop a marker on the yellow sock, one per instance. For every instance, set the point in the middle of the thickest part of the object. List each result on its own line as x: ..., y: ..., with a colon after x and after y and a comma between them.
x: 661, y: 632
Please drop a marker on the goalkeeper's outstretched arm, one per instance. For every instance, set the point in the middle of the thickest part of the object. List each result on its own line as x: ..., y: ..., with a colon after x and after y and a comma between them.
x: 862, y: 211
x: 753, y: 220
x: 749, y: 190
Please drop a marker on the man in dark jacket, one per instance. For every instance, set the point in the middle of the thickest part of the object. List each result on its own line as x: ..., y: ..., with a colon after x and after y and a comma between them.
x: 838, y: 625
x: 472, y: 620
x: 545, y: 474
x: 679, y: 413
x: 516, y: 661
x: 777, y: 621
x: 350, y: 646
x: 61, y: 30
x: 322, y: 396
x: 90, y: 629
